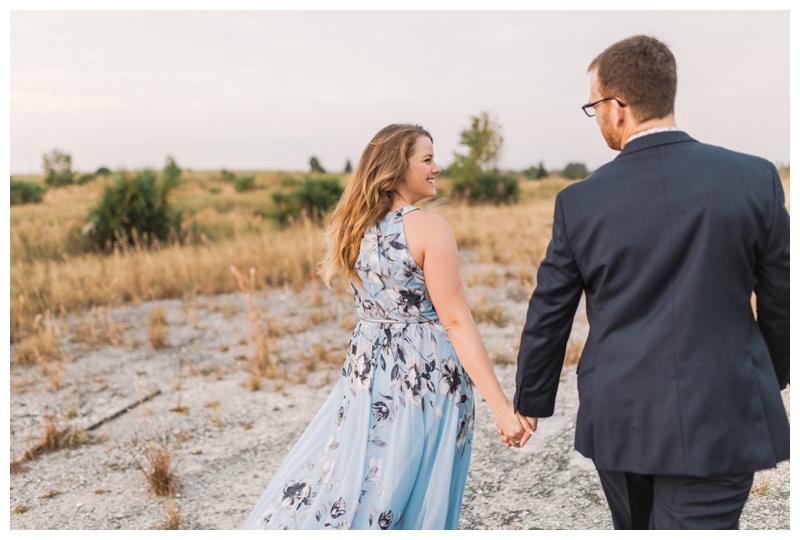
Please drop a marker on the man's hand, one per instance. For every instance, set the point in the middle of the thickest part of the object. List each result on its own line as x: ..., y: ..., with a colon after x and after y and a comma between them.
x: 529, y: 424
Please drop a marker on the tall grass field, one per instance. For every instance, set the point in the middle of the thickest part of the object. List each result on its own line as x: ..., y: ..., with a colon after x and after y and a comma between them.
x: 53, y: 274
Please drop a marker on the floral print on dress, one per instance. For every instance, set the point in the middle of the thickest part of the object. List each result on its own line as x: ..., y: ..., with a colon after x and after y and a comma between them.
x: 393, y: 439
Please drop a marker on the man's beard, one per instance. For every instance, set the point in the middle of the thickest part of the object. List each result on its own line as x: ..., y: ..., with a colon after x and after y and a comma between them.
x: 612, y: 137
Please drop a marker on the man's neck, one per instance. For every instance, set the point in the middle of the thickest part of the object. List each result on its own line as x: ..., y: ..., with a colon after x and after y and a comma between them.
x: 667, y: 121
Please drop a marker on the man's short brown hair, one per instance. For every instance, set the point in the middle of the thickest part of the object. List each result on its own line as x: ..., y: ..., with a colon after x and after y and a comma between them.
x: 640, y: 71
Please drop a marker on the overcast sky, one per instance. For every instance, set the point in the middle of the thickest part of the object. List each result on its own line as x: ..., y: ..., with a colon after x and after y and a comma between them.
x: 267, y: 90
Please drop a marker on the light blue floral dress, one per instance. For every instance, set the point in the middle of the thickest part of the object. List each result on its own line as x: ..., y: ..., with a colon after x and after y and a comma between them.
x: 390, y: 447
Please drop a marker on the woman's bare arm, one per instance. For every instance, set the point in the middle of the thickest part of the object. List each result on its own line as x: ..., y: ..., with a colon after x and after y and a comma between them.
x: 433, y: 247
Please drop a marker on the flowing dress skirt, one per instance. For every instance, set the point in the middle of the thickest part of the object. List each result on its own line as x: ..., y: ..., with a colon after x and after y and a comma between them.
x: 391, y: 445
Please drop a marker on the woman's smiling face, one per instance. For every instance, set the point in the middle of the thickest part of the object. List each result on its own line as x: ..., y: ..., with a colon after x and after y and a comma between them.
x: 420, y: 179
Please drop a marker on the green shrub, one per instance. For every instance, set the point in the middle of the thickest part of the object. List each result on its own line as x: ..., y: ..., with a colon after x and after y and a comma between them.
x: 314, y: 198
x: 85, y: 178
x: 25, y: 192
x: 291, y: 182
x: 535, y: 173
x: 135, y: 209
x: 575, y: 171
x: 244, y: 183
x: 215, y: 190
x: 226, y: 176
x: 487, y: 188
x: 103, y: 171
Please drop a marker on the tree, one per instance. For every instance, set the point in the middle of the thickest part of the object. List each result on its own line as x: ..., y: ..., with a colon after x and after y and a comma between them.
x: 169, y: 179
x: 348, y: 168
x: 475, y: 175
x: 575, y: 171
x: 316, y: 166
x: 57, y: 168
x: 484, y: 142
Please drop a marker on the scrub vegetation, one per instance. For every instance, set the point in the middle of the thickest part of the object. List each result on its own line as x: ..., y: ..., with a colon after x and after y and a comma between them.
x: 53, y: 274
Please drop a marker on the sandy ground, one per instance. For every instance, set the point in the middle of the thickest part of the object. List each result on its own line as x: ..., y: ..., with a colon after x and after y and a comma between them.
x: 230, y: 440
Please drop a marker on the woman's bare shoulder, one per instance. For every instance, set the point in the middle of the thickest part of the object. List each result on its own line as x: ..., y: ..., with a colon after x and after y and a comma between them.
x: 427, y: 222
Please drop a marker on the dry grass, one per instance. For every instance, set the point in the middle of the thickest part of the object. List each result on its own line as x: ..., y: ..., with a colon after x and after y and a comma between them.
x: 762, y: 483
x: 50, y: 494
x: 216, y: 419
x: 214, y: 414
x: 49, y: 268
x: 174, y: 271
x: 275, y: 327
x: 319, y: 356
x: 156, y: 459
x: 55, y: 372
x: 511, y: 235
x: 43, y: 349
x: 482, y: 311
x: 320, y: 316
x: 179, y: 408
x: 18, y: 467
x: 487, y: 278
x: 157, y: 333
x: 55, y: 435
x: 573, y: 354
x: 348, y: 322
x: 252, y: 383
x: 99, y: 328
x: 50, y: 271
x: 174, y: 519
x: 262, y: 363
x: 502, y: 358
x: 229, y: 309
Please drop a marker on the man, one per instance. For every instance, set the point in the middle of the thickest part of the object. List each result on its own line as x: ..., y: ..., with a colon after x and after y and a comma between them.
x: 679, y: 383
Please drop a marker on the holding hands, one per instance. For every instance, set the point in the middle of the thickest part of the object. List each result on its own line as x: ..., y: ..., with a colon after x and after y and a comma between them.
x: 513, y: 428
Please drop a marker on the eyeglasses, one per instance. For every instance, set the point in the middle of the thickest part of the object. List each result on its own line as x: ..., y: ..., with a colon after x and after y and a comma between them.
x: 589, y: 107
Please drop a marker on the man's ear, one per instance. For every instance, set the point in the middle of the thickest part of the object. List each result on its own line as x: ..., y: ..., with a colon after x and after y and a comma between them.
x: 620, y: 114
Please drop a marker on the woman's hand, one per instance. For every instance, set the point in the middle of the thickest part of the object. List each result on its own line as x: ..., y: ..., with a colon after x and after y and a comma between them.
x: 514, y: 430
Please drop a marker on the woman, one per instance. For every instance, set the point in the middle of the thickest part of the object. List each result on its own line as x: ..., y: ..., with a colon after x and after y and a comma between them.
x: 391, y: 445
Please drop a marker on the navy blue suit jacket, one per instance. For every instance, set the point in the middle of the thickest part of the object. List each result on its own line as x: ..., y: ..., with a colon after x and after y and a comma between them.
x: 668, y: 242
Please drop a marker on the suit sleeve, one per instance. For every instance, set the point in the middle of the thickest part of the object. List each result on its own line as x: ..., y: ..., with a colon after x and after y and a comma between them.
x: 772, y: 284
x: 548, y: 324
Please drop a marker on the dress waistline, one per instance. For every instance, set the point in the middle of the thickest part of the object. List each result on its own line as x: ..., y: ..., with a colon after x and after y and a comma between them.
x: 395, y: 321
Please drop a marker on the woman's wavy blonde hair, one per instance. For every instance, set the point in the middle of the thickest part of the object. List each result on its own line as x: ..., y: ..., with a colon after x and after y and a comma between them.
x: 368, y: 197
